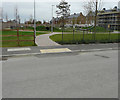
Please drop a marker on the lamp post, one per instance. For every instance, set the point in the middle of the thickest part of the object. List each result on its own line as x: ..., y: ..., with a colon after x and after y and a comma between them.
x: 34, y: 23
x: 52, y: 20
x: 95, y: 17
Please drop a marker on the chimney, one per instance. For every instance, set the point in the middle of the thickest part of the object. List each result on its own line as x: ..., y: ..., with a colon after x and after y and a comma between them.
x: 115, y: 7
x: 104, y: 9
x: 74, y: 13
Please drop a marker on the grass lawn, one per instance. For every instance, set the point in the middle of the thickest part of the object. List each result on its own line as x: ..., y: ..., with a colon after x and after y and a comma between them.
x: 21, y: 43
x: 88, y: 38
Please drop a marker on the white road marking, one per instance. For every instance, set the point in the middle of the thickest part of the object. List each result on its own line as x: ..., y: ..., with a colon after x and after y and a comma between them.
x: 19, y: 49
x: 55, y: 50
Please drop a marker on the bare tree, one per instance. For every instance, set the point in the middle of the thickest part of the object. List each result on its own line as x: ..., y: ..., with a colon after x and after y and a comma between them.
x: 1, y: 20
x: 92, y: 6
x: 19, y: 19
x: 1, y: 14
x: 17, y: 23
x: 31, y: 19
x: 6, y: 17
x: 16, y: 15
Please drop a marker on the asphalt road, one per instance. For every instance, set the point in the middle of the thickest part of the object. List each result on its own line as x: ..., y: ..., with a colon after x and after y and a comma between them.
x: 70, y: 75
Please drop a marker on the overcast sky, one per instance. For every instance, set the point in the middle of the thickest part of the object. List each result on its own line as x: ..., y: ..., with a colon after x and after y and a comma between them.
x: 44, y: 8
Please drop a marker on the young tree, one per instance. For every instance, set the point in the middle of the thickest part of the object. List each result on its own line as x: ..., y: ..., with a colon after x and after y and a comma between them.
x: 63, y: 9
x: 44, y: 22
x: 17, y: 17
x: 31, y: 19
x: 63, y: 12
x: 38, y: 22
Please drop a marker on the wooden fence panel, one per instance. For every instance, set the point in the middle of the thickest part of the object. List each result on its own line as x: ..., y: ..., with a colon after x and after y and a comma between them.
x: 17, y: 36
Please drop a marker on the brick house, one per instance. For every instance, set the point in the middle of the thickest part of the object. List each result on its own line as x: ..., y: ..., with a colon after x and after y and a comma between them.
x: 76, y: 18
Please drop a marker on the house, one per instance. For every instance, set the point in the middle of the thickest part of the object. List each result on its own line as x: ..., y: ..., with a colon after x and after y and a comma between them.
x: 77, y: 19
x: 90, y: 18
x: 9, y: 24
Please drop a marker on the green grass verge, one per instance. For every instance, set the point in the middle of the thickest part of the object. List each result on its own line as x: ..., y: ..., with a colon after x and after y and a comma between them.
x: 21, y: 43
x: 88, y: 38
x: 98, y: 29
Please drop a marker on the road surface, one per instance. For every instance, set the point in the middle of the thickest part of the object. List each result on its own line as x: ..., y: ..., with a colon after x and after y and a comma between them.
x: 67, y: 75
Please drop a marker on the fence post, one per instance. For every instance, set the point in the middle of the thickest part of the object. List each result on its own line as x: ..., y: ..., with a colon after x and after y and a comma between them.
x: 87, y: 31
x: 34, y: 37
x: 83, y: 36
x: 95, y: 35
x: 18, y: 36
x: 62, y: 36
x: 73, y: 36
x: 109, y: 35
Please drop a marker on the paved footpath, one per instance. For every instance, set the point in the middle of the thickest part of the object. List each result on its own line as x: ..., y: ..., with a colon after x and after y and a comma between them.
x: 34, y: 50
x: 44, y: 40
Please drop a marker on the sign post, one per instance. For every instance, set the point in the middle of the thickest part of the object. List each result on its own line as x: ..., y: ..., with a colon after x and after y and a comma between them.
x: 73, y: 32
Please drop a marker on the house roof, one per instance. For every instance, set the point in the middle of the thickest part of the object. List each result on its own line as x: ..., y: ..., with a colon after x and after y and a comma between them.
x: 74, y: 15
x: 91, y: 13
x: 109, y: 11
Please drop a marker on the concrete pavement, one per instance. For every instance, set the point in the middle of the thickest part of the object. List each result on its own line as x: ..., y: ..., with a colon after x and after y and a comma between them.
x: 16, y: 51
x: 44, y: 40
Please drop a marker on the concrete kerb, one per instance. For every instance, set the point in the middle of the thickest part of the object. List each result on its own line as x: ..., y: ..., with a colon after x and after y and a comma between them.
x: 73, y: 51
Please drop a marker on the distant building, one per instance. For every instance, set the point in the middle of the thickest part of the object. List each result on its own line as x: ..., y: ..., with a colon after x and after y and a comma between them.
x: 109, y: 18
x: 76, y: 19
x: 10, y: 24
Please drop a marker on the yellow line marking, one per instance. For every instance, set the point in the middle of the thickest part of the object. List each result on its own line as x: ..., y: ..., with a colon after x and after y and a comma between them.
x: 55, y: 50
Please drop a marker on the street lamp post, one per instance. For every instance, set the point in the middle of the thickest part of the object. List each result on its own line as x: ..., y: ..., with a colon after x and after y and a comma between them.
x: 52, y: 20
x: 34, y: 23
x: 95, y: 18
